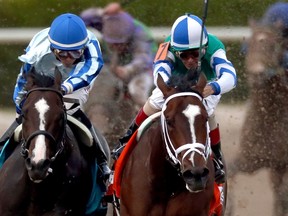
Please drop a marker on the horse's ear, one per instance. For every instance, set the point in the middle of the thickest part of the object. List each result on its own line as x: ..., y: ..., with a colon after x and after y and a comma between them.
x: 202, y: 82
x: 162, y: 85
x: 58, y: 78
x: 30, y: 77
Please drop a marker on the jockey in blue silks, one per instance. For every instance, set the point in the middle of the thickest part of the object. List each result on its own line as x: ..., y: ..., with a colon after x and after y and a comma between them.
x: 68, y: 45
x: 276, y: 16
x: 182, y: 54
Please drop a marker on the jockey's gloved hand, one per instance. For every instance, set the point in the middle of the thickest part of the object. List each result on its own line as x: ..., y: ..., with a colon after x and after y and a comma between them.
x: 63, y: 91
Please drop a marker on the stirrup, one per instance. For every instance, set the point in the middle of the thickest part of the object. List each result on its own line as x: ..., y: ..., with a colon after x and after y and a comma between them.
x: 105, y: 171
x: 115, y: 153
x: 220, y: 175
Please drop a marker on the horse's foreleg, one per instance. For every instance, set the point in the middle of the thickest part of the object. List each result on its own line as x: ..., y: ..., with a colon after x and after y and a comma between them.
x: 279, y: 179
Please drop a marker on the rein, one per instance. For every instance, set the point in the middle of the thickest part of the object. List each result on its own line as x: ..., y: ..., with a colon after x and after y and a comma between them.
x: 45, y: 89
x: 25, y: 143
x: 190, y: 148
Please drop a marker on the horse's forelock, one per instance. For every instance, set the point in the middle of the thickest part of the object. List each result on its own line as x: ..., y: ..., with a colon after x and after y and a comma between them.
x: 42, y: 80
x: 183, y: 83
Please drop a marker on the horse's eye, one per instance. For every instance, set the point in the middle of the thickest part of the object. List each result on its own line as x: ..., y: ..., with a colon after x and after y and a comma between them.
x: 169, y: 122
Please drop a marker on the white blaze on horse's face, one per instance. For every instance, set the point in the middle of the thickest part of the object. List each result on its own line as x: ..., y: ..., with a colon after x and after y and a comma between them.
x: 40, y: 149
x: 191, y: 112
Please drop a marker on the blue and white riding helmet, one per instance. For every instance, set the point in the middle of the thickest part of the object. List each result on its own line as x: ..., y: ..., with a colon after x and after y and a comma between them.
x: 276, y: 14
x: 186, y: 33
x: 68, y: 32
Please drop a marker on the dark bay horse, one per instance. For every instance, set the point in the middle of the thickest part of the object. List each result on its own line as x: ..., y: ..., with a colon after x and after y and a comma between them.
x: 263, y: 142
x: 48, y: 174
x: 170, y: 169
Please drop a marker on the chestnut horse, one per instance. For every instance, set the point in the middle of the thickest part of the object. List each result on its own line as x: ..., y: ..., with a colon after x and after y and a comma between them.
x: 170, y: 169
x: 263, y: 142
x: 52, y: 175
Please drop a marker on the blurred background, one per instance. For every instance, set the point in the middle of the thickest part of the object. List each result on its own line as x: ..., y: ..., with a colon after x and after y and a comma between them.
x: 160, y: 13
x: 222, y: 15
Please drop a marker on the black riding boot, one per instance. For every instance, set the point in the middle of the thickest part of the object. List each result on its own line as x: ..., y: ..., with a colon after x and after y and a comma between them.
x: 100, y: 155
x: 220, y: 176
x: 123, y: 140
x: 9, y: 132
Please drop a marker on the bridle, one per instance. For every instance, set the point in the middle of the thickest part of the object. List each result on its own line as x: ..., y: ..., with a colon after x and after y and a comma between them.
x: 204, y: 150
x: 25, y: 143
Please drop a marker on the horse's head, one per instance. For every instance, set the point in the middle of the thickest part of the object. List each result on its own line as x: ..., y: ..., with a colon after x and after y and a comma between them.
x: 185, y: 129
x: 43, y: 125
x: 266, y: 48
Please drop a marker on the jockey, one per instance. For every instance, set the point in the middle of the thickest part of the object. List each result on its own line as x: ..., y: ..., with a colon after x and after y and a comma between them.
x: 68, y: 45
x: 130, y: 48
x: 276, y: 16
x: 182, y: 54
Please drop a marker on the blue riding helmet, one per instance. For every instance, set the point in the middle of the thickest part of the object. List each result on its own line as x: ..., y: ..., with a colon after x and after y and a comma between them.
x: 277, y: 12
x: 186, y: 33
x: 68, y: 32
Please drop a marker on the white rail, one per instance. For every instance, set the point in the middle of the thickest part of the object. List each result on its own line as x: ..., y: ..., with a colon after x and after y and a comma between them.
x: 24, y: 35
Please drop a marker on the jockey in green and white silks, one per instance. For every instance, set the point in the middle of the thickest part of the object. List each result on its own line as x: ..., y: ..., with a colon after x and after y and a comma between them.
x: 68, y: 45
x: 179, y: 54
x: 219, y: 71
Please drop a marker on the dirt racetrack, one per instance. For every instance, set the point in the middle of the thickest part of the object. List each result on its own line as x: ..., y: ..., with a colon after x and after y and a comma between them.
x: 252, y: 194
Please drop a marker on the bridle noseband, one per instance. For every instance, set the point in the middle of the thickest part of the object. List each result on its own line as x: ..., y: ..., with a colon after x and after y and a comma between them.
x: 199, y: 148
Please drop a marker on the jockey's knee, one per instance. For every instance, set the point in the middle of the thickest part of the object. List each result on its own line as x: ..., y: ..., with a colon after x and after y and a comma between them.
x: 150, y: 108
x: 212, y: 122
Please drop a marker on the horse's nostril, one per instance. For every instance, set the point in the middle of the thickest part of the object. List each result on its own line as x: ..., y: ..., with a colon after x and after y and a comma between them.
x: 188, y: 174
x: 28, y: 164
x: 205, y: 172
x: 46, y: 164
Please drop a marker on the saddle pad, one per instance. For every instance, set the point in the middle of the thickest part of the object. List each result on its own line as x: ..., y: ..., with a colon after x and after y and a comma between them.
x: 120, y: 163
x: 216, y: 205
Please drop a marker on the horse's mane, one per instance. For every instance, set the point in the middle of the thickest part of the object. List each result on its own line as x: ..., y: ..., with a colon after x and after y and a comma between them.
x: 41, y: 79
x: 183, y: 83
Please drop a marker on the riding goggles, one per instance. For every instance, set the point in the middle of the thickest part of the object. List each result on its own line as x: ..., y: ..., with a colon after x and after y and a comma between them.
x: 185, y: 55
x: 68, y: 53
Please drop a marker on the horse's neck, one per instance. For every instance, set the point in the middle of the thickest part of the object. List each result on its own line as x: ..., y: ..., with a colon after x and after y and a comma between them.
x: 265, y: 49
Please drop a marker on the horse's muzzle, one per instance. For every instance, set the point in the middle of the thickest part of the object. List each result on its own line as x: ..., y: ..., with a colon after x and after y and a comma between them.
x: 196, y: 179
x: 38, y: 171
